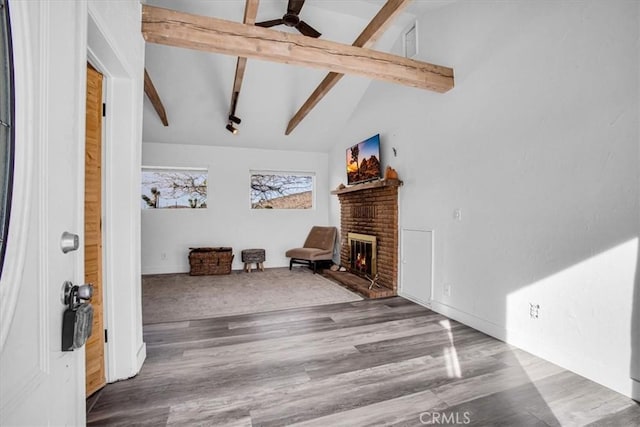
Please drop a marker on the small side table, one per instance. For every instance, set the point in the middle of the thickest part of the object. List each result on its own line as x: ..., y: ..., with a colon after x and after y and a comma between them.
x: 250, y: 256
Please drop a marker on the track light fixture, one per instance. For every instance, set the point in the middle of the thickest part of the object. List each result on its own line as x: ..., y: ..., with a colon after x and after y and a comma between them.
x: 234, y: 119
x: 231, y: 129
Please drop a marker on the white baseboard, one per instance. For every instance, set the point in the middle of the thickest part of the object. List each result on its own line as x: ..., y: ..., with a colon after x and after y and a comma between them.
x: 416, y: 300
x: 177, y: 269
x: 627, y: 387
x: 635, y: 390
x: 141, y: 356
x: 482, y: 325
x: 165, y: 269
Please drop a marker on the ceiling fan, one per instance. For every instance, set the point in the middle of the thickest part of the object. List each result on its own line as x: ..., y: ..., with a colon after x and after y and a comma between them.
x: 291, y: 19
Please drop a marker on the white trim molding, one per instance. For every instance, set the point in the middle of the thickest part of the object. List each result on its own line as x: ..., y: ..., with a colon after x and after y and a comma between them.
x: 23, y: 167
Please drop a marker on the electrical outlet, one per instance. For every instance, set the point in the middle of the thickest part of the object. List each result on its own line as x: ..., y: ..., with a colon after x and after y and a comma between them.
x: 163, y: 256
x: 457, y: 214
x: 534, y: 311
x: 447, y: 290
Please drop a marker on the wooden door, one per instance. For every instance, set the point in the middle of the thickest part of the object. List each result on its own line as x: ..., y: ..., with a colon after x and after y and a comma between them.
x: 95, y: 371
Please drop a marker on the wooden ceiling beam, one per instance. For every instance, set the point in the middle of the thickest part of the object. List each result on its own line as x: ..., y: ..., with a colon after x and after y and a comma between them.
x: 250, y: 12
x: 153, y: 96
x: 367, y: 38
x: 179, y: 29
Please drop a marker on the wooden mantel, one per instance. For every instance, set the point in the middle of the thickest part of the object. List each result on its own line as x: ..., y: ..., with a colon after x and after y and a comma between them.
x: 369, y: 186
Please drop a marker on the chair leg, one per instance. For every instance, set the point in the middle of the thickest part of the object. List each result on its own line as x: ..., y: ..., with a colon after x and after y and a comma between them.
x: 290, y: 264
x: 314, y: 267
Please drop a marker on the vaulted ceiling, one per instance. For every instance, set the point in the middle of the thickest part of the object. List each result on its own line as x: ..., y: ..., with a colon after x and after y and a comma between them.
x: 196, y: 87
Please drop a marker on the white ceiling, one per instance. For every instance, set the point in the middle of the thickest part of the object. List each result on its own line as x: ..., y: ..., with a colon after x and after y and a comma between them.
x: 195, y: 87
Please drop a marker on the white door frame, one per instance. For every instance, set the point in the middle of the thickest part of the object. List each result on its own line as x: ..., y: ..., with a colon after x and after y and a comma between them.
x: 125, y: 352
x: 103, y: 57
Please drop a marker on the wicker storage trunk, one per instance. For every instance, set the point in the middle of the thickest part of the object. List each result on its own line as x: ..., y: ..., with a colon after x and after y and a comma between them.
x: 210, y: 261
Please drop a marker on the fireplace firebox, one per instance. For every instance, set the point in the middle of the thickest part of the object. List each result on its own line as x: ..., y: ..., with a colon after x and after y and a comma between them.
x: 362, y: 254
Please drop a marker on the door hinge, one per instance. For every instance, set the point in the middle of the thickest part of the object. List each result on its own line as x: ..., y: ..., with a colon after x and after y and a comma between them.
x: 104, y: 110
x: 106, y: 336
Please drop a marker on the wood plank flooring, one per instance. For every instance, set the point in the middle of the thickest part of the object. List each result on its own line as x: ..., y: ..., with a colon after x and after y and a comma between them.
x: 371, y: 362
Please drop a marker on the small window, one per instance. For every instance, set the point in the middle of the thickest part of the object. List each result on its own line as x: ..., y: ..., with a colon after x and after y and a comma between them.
x: 282, y: 190
x: 410, y: 41
x: 174, y: 188
x: 6, y: 126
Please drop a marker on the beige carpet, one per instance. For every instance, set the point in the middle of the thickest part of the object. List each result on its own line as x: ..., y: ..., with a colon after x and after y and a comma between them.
x: 175, y: 297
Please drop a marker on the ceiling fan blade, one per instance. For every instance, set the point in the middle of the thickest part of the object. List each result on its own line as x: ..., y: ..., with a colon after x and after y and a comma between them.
x: 307, y: 30
x: 295, y: 6
x: 271, y: 23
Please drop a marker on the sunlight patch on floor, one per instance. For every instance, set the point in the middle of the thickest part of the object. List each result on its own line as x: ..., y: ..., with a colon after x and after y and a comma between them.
x: 450, y: 354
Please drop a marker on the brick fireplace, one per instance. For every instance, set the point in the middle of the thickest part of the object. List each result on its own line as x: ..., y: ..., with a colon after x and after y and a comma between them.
x: 370, y: 209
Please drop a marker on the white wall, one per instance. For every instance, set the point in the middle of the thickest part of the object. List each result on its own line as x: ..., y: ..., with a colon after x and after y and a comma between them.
x: 229, y: 219
x: 538, y: 146
x: 635, y: 321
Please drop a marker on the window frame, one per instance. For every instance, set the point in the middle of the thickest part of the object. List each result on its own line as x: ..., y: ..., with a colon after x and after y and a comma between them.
x: 177, y: 169
x: 6, y: 198
x: 310, y: 174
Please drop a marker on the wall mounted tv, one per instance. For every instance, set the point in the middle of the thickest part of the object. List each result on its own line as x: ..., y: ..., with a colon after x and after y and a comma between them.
x: 363, y: 161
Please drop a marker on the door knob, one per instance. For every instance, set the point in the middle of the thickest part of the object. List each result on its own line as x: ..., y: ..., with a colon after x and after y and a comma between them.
x: 77, y: 319
x: 85, y: 291
x: 70, y: 291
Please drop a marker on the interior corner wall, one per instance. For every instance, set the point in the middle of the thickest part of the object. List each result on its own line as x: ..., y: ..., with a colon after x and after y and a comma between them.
x: 635, y: 321
x: 228, y: 220
x: 537, y: 145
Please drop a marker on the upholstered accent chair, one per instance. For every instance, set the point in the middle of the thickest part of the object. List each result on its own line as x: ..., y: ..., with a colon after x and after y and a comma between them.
x: 317, y: 248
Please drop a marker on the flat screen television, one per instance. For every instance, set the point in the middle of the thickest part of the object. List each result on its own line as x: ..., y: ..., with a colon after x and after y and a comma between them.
x: 363, y: 161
